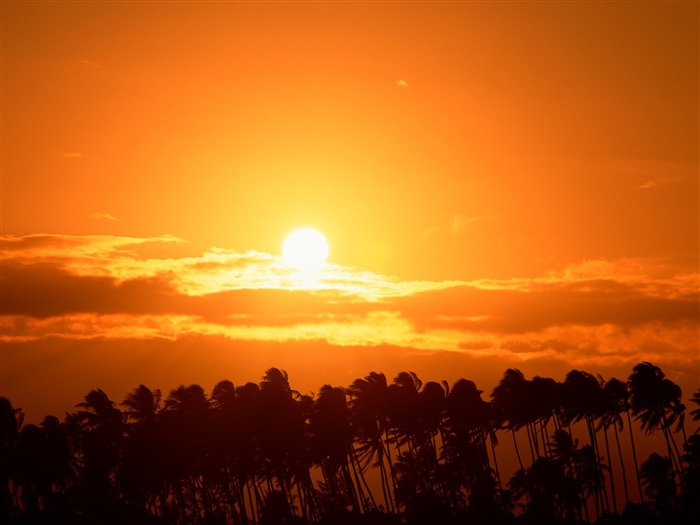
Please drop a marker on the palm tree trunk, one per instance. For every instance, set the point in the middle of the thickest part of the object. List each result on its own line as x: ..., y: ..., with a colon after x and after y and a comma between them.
x: 492, y: 439
x: 602, y: 491
x: 391, y: 468
x: 357, y: 469
x: 545, y: 438
x: 382, y: 475
x: 532, y: 430
x: 610, y: 472
x: 634, y: 456
x: 679, y: 463
x: 622, y: 465
x: 529, y: 442
x: 517, y: 451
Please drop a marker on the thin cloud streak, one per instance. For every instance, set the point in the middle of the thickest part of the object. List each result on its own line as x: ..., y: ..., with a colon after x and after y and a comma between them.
x: 104, y: 216
x: 660, y: 181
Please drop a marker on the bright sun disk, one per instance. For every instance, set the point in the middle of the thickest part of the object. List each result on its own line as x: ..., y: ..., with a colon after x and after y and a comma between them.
x: 305, y: 249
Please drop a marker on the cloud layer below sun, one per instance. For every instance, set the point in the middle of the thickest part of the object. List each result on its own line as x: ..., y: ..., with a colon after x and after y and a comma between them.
x: 105, y: 287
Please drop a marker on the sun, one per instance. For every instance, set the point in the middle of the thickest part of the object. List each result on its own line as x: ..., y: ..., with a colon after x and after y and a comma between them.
x: 305, y: 249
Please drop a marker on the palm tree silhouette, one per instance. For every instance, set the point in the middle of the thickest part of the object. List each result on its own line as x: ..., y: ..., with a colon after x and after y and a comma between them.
x: 143, y: 405
x: 696, y: 413
x: 582, y: 398
x: 613, y: 403
x: 369, y: 420
x: 331, y: 444
x: 659, y: 486
x: 512, y: 407
x: 656, y: 402
x: 248, y: 454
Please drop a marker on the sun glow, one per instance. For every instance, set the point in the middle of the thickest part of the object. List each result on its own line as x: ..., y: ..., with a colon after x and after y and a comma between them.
x: 305, y: 249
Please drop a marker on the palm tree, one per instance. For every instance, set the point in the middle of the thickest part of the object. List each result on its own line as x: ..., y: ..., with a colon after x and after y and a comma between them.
x: 614, y: 402
x: 544, y: 394
x: 551, y: 495
x: 101, y: 437
x: 331, y: 444
x: 184, y: 429
x: 282, y: 438
x: 369, y: 421
x: 402, y: 400
x: 657, y: 478
x: 696, y: 413
x: 512, y: 408
x: 467, y: 419
x: 143, y: 405
x: 656, y: 402
x: 582, y: 398
x: 10, y: 423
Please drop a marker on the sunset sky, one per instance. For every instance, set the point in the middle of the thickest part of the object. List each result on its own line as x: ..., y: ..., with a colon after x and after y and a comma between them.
x: 501, y: 184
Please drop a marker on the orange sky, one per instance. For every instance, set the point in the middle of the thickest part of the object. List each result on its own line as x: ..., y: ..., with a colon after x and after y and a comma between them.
x: 501, y: 184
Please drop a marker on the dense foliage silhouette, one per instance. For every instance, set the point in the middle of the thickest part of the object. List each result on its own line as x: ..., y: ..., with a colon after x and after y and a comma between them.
x: 372, y: 453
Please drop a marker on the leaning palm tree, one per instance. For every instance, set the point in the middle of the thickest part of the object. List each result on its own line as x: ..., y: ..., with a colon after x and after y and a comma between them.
x: 282, y: 439
x: 512, y: 407
x: 101, y: 440
x: 656, y: 402
x: 696, y: 413
x: 369, y: 420
x: 582, y: 398
x: 142, y: 405
x: 184, y: 429
x: 614, y: 402
x: 330, y: 437
x: 402, y: 401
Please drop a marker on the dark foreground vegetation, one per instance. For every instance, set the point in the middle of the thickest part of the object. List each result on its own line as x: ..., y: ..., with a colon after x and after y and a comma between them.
x: 371, y: 453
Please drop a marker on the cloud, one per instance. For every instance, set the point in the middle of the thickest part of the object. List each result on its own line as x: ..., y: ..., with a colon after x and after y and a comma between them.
x: 81, y: 249
x: 73, y: 155
x: 80, y: 287
x: 402, y: 83
x: 104, y: 216
x: 660, y: 181
x: 457, y: 225
x: 90, y: 63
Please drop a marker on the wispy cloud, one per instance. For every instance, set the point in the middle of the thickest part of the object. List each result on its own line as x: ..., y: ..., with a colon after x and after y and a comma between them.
x: 72, y: 155
x: 104, y: 216
x: 456, y: 226
x: 90, y: 63
x: 402, y: 83
x: 660, y: 181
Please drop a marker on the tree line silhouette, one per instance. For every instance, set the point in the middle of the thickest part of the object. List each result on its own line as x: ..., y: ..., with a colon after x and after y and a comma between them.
x: 372, y: 453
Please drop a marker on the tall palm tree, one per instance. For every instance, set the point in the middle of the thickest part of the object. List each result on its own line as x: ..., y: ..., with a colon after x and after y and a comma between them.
x: 11, y: 419
x: 184, y: 430
x: 581, y: 400
x: 512, y: 408
x: 656, y: 402
x: 544, y: 393
x: 467, y: 418
x: 369, y: 421
x: 402, y: 400
x: 101, y: 439
x: 142, y: 405
x: 331, y: 444
x: 614, y: 402
x: 282, y: 438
